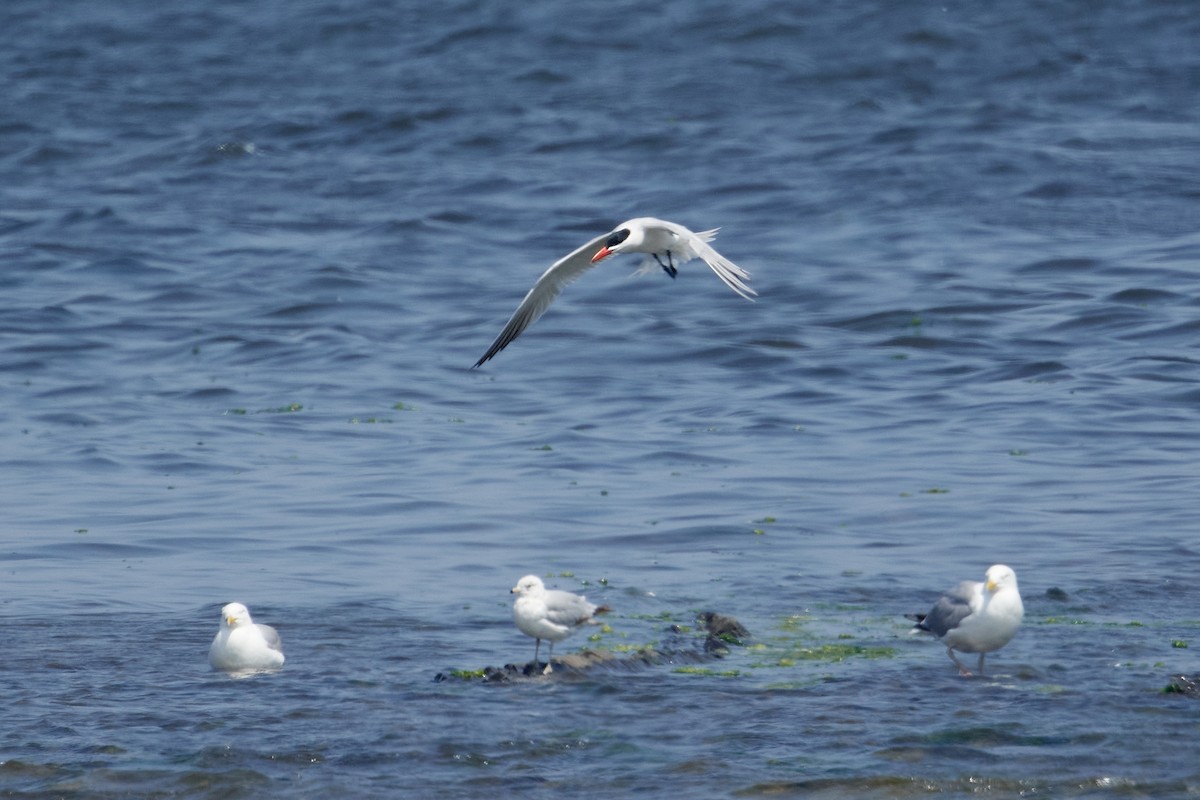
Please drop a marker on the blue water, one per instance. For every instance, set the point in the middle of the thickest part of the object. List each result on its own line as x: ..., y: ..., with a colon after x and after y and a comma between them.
x: 249, y: 251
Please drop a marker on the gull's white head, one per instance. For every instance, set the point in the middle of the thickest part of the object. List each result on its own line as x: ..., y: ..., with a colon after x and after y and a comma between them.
x: 234, y: 615
x: 998, y: 577
x: 625, y: 238
x: 530, y: 584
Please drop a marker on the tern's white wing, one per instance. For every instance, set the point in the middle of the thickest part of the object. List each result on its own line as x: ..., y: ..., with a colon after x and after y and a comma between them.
x: 548, y: 287
x: 726, y: 270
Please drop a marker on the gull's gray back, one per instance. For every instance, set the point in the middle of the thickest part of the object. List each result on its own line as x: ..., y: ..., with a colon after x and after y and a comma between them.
x: 271, y: 635
x: 569, y: 609
x: 950, y: 609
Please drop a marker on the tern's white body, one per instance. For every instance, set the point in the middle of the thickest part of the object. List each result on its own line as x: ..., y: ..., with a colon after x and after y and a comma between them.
x: 550, y: 614
x: 242, y: 645
x: 657, y: 238
x: 976, y: 617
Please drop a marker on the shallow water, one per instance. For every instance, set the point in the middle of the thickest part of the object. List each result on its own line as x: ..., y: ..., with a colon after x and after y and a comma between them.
x: 250, y: 252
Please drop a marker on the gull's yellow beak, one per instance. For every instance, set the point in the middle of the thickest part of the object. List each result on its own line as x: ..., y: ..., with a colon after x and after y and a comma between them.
x: 230, y: 620
x: 992, y: 586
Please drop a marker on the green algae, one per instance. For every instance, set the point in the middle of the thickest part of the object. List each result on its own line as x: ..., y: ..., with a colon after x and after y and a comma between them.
x: 290, y: 408
x: 828, y: 653
x: 706, y: 671
x: 467, y: 674
x: 798, y: 643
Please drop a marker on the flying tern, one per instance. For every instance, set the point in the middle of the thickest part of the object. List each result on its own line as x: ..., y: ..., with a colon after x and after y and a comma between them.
x: 666, y: 244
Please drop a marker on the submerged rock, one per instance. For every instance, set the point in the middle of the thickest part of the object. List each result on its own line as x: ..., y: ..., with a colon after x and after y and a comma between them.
x: 726, y: 629
x: 566, y: 667
x: 720, y: 631
x: 1182, y: 684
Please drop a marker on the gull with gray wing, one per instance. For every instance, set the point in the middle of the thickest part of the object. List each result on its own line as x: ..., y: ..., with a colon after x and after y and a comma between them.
x: 976, y: 617
x: 550, y: 614
x: 243, y: 645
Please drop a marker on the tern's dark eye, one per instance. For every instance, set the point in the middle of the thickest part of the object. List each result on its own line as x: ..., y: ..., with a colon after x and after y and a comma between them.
x: 617, y: 237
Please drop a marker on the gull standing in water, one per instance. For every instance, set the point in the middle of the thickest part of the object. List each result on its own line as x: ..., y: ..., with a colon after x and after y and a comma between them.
x: 976, y: 617
x: 665, y: 243
x: 550, y: 614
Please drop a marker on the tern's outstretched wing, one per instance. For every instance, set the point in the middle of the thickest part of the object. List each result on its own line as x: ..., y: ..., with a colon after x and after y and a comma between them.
x: 726, y: 270
x: 548, y: 287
